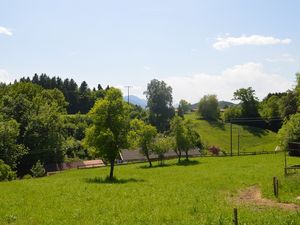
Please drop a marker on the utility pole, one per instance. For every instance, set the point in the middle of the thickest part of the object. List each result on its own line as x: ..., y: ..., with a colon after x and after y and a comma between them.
x: 230, y: 138
x: 239, y: 141
x: 128, y: 87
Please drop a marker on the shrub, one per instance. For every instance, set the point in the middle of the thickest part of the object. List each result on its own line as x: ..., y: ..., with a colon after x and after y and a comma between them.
x: 38, y: 169
x: 5, y: 172
x: 214, y: 150
x: 27, y: 176
x: 231, y: 113
x: 290, y: 131
x: 160, y: 146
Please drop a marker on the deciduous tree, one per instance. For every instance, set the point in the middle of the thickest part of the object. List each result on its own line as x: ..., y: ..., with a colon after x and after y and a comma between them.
x: 160, y: 146
x: 248, y: 101
x: 183, y: 107
x: 142, y: 135
x: 109, y: 131
x: 208, y: 107
x: 159, y: 97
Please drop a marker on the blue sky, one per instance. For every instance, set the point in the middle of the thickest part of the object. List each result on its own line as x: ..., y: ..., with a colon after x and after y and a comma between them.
x: 197, y: 47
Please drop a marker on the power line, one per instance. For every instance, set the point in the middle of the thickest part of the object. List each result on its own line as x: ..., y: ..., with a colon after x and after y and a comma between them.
x: 255, y: 119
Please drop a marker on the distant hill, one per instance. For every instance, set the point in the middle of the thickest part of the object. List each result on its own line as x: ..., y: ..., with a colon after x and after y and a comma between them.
x: 222, y: 104
x: 136, y: 100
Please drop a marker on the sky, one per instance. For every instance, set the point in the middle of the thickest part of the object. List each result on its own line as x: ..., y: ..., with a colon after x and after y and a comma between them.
x: 197, y: 47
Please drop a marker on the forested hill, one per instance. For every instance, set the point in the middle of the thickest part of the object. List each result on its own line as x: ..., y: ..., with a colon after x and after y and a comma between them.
x: 80, y: 98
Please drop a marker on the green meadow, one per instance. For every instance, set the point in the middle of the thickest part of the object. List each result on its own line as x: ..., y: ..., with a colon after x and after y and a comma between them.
x: 217, y: 133
x: 203, y: 191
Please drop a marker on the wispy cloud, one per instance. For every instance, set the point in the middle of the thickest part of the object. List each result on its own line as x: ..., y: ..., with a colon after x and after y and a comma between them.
x: 5, y: 31
x: 228, y: 41
x: 283, y: 58
x: 192, y: 88
x: 4, y: 76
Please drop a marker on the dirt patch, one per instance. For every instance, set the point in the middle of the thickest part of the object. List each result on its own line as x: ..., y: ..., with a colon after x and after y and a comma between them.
x: 253, y: 195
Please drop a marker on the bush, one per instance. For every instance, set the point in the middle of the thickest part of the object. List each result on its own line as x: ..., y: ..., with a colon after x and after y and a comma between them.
x: 27, y: 176
x: 38, y: 169
x: 290, y: 131
x: 160, y: 146
x: 214, y: 150
x: 5, y: 172
x: 231, y: 113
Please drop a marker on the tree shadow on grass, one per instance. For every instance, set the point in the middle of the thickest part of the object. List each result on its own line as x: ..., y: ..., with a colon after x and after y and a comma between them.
x: 216, y: 124
x: 182, y: 163
x: 259, y: 132
x: 101, y: 180
x: 154, y: 166
x: 188, y: 163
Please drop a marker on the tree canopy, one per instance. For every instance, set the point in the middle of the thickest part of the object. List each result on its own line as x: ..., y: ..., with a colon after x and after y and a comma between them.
x: 159, y: 97
x: 208, y: 107
x: 142, y: 135
x: 80, y: 98
x: 109, y: 131
x: 34, y: 109
x: 290, y: 131
x: 183, y: 107
x: 248, y: 102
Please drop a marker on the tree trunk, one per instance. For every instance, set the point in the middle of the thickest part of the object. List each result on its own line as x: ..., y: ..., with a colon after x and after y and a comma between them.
x: 148, y: 158
x: 179, y: 156
x: 187, y: 155
x: 111, y: 174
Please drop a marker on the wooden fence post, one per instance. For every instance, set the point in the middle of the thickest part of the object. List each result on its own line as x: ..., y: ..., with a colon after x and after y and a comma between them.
x: 235, y: 216
x: 275, y: 186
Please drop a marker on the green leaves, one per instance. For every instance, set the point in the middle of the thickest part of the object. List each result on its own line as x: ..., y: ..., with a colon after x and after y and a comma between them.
x: 208, y: 107
x: 290, y: 131
x: 10, y: 151
x: 141, y: 135
x: 108, y: 134
x: 185, y: 136
x: 248, y: 101
x: 159, y: 97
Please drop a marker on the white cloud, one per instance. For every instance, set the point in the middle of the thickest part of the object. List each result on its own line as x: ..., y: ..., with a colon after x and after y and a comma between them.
x: 192, y: 88
x: 147, y: 68
x: 6, y: 31
x: 4, y: 76
x: 227, y: 42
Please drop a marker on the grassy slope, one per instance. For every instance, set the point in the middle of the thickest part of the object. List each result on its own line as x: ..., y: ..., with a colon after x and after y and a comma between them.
x: 251, y: 139
x: 195, y: 194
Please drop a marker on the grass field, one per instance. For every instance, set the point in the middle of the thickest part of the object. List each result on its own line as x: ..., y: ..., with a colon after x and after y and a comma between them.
x: 251, y: 139
x: 201, y: 192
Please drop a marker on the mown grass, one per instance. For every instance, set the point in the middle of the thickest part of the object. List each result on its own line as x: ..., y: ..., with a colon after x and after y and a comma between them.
x: 196, y: 193
x: 218, y: 133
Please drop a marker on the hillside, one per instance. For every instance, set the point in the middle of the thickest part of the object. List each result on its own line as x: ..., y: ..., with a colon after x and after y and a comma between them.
x: 251, y: 139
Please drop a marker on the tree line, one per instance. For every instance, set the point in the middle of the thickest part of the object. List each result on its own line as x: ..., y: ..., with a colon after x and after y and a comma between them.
x: 270, y: 113
x: 38, y: 126
x: 80, y: 98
